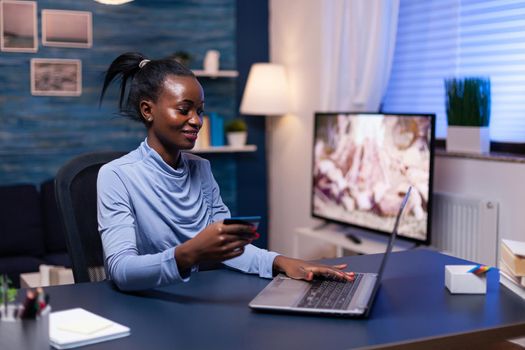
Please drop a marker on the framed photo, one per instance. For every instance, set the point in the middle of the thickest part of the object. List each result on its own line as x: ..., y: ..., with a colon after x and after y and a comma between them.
x: 18, y: 30
x: 56, y: 77
x: 67, y: 28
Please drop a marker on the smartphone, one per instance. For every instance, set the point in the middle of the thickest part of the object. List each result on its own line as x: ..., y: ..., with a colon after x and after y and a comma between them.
x: 244, y: 220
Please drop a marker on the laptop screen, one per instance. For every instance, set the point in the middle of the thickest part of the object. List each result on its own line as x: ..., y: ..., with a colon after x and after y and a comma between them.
x: 393, y: 235
x: 388, y: 251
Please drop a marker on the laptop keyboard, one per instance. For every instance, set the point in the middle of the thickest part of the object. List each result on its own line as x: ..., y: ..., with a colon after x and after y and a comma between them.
x: 329, y: 294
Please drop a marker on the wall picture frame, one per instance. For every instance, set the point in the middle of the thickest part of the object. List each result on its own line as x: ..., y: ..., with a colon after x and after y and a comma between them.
x: 56, y: 77
x: 62, y: 28
x: 18, y: 26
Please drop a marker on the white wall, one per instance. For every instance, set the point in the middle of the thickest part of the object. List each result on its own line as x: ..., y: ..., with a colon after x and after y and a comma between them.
x: 296, y: 46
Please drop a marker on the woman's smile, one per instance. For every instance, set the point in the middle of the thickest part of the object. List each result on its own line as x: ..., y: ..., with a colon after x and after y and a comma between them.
x: 191, y: 134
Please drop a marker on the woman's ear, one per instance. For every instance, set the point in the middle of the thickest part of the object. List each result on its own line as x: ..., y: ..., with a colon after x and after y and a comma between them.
x: 146, y: 109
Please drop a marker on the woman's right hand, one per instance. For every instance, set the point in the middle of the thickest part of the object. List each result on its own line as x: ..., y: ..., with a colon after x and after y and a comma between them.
x: 217, y: 242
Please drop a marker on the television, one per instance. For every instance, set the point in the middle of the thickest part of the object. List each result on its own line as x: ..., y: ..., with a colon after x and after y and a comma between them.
x: 363, y: 164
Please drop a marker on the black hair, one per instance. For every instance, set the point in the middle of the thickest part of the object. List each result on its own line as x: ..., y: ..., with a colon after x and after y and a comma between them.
x: 144, y: 77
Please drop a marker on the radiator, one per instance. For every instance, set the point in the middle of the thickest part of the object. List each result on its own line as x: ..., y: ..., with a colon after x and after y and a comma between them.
x: 465, y: 227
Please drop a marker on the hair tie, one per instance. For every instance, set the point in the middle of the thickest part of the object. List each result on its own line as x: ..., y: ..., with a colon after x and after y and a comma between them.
x: 143, y: 63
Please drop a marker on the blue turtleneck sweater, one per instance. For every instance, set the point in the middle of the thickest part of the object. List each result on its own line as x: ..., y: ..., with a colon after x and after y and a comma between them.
x: 146, y: 208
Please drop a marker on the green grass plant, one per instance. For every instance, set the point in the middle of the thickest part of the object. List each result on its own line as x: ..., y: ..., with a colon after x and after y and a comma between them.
x: 236, y: 125
x: 468, y: 101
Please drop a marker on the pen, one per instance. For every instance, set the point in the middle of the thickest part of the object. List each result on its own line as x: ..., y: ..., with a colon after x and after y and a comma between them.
x: 46, y: 299
x: 41, y: 304
x: 16, y: 311
x: 29, y: 305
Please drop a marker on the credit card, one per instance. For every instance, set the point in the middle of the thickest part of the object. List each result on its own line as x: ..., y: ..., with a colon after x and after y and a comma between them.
x: 244, y: 220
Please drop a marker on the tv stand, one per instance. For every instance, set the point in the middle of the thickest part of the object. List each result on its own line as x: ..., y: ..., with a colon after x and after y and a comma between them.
x: 351, y: 236
x: 354, y: 238
x: 344, y: 238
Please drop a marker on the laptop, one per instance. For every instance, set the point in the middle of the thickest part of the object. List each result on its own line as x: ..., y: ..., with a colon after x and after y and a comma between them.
x: 325, y: 296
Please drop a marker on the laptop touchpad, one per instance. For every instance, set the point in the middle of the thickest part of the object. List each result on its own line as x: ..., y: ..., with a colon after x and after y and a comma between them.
x: 282, y: 292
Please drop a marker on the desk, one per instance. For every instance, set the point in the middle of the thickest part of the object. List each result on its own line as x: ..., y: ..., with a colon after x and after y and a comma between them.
x: 211, y: 312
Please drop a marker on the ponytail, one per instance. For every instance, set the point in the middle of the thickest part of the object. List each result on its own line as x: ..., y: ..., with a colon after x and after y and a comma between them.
x: 144, y: 77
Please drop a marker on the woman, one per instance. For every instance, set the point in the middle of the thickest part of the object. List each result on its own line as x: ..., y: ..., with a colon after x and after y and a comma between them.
x: 160, y: 213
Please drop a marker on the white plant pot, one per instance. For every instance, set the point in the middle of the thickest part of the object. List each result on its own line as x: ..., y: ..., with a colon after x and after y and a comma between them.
x: 237, y: 138
x: 468, y: 139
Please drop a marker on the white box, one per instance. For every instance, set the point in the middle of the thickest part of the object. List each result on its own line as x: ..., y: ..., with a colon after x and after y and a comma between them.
x: 468, y: 139
x: 57, y: 276
x: 60, y: 276
x: 459, y: 281
x: 30, y: 280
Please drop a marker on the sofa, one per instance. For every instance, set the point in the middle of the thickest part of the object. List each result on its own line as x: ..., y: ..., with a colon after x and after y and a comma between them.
x: 30, y: 230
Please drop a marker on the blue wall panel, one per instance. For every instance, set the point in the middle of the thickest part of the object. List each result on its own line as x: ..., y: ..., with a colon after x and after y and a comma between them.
x: 38, y: 134
x: 253, y: 43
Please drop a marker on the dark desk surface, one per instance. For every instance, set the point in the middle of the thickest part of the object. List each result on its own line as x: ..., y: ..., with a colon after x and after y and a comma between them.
x: 211, y: 311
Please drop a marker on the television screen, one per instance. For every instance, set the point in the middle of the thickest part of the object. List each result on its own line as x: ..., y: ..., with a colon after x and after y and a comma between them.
x: 363, y: 164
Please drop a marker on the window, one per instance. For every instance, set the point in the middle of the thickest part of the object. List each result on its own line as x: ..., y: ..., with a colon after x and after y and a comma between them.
x: 437, y: 39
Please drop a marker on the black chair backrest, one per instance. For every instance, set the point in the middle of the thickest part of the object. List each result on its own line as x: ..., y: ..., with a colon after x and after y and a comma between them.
x: 76, y: 193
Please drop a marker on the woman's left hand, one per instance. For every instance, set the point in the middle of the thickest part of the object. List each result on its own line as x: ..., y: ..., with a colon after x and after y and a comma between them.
x: 300, y: 269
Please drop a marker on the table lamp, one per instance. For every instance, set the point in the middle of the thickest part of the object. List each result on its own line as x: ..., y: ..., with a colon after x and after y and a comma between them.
x: 113, y: 2
x: 266, y: 91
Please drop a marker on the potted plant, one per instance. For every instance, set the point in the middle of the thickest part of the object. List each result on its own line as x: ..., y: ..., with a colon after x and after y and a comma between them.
x: 468, y: 114
x: 236, y: 132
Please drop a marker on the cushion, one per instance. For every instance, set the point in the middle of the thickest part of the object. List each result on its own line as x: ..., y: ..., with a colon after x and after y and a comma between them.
x: 54, y: 236
x: 15, y: 265
x: 58, y: 259
x: 20, y: 221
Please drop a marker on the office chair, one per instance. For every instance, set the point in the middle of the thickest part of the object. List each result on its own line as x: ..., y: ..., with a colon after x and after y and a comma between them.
x: 76, y: 193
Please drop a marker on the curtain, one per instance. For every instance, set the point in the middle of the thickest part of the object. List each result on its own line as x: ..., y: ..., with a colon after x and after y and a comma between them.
x: 356, y: 55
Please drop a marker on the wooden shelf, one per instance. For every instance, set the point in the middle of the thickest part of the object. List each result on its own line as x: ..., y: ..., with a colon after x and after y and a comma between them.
x: 225, y: 149
x: 219, y: 74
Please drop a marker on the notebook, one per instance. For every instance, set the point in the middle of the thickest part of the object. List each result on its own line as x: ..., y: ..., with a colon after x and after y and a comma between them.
x: 78, y: 327
x: 327, y: 296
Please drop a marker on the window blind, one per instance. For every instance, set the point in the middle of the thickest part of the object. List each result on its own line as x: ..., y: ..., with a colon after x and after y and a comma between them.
x: 437, y: 39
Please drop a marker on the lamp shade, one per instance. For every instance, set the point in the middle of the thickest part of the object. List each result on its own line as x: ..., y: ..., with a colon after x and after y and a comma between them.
x: 266, y: 91
x: 113, y: 2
